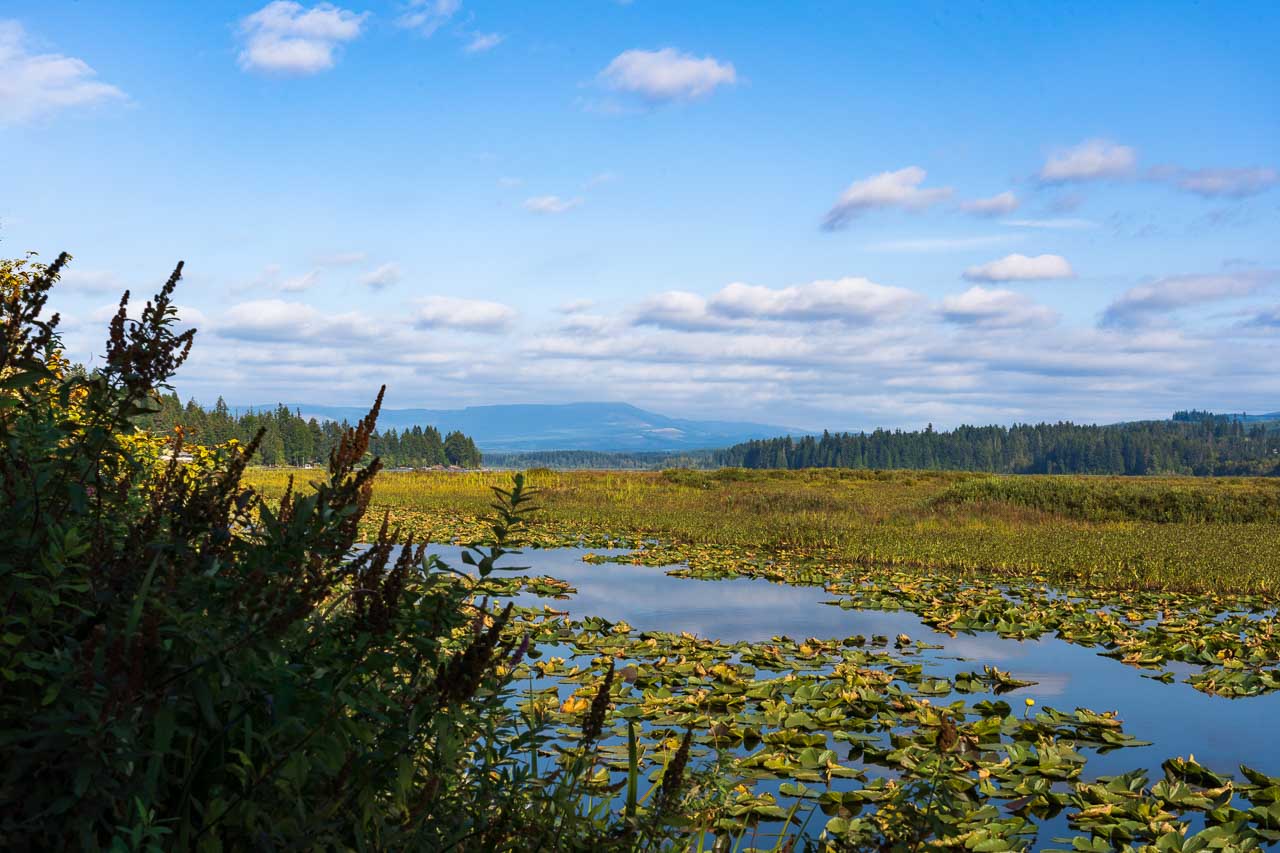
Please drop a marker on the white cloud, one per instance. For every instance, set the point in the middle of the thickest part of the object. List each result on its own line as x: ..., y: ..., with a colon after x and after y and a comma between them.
x: 481, y: 42
x: 589, y: 324
x: 427, y: 16
x: 384, y: 276
x: 576, y: 306
x: 551, y: 204
x: 1221, y: 183
x: 1021, y: 268
x: 849, y: 300
x: 1092, y: 159
x: 274, y: 319
x: 284, y: 37
x: 33, y: 85
x: 469, y: 314
x: 278, y: 320
x: 899, y: 189
x: 666, y: 74
x: 995, y: 309
x: 996, y: 205
x: 1149, y: 301
x: 855, y: 301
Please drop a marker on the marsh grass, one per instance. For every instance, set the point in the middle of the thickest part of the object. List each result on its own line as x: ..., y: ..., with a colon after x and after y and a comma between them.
x: 1235, y: 500
x: 1183, y: 534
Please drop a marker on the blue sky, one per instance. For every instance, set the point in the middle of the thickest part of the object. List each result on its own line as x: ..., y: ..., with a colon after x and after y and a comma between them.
x: 817, y: 214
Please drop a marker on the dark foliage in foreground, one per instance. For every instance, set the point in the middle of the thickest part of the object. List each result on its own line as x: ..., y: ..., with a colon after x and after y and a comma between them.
x: 184, y: 666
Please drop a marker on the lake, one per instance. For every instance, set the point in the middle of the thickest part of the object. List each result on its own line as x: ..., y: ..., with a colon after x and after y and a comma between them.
x: 1222, y: 733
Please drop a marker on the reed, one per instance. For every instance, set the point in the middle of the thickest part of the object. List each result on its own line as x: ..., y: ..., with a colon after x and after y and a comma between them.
x: 1179, y: 533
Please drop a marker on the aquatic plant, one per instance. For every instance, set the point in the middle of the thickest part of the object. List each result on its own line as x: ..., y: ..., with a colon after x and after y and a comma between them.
x: 893, y: 518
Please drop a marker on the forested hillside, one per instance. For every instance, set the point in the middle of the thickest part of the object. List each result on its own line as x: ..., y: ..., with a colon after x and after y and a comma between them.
x: 293, y: 440
x: 1203, y: 447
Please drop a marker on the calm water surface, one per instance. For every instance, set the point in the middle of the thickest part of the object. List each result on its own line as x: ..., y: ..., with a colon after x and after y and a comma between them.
x: 1179, y: 720
x: 1222, y: 733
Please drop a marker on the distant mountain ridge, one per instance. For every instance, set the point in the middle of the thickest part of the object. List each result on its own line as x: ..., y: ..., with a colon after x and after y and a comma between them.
x: 1241, y: 417
x: 609, y: 427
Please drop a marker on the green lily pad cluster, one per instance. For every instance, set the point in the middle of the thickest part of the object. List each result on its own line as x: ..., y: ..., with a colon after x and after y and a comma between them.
x: 853, y: 732
x: 1235, y: 639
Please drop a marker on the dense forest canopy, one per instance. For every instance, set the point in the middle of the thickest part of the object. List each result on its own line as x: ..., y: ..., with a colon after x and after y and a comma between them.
x: 1208, y: 446
x: 293, y: 440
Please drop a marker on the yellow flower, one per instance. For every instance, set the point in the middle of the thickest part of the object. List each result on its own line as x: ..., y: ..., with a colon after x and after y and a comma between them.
x: 1030, y: 701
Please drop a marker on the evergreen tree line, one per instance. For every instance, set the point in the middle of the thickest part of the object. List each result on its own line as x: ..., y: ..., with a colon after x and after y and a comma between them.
x: 293, y: 440
x: 1209, y: 446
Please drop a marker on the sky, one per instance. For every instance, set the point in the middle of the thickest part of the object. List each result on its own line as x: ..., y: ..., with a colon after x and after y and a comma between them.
x: 815, y: 214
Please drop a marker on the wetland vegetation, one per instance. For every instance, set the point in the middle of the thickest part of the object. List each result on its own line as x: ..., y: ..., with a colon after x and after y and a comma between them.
x: 202, y: 654
x: 1177, y: 534
x: 882, y: 739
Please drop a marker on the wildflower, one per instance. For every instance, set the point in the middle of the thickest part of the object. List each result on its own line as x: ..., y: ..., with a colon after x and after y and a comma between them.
x: 520, y: 650
x: 673, y: 777
x: 594, y: 722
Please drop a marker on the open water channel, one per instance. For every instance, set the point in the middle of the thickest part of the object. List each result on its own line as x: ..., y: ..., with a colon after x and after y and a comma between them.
x: 1221, y: 733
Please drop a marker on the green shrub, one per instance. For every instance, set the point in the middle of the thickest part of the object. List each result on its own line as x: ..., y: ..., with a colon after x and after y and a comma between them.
x: 185, y: 666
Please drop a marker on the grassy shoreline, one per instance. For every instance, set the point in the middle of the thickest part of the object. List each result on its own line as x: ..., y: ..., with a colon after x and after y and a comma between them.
x: 1219, y: 535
